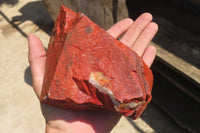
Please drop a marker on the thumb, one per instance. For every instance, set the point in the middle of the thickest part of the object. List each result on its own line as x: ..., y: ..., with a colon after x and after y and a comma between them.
x: 37, y: 60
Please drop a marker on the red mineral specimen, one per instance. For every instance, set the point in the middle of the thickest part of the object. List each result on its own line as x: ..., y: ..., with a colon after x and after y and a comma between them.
x: 88, y: 69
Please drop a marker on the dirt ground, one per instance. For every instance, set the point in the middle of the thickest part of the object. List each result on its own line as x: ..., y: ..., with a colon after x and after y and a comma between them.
x: 19, y: 107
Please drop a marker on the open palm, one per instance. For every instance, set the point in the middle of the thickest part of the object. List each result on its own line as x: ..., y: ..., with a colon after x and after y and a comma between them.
x: 137, y: 35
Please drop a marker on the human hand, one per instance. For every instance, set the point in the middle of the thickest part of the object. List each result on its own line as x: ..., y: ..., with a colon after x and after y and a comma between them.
x: 136, y: 35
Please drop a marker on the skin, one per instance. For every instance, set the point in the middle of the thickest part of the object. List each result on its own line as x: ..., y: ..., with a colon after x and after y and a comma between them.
x: 135, y: 34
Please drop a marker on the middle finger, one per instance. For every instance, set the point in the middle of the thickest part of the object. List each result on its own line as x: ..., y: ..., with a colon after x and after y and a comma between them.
x: 135, y: 30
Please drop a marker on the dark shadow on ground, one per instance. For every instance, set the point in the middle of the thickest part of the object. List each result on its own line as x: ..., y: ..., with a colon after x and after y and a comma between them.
x: 14, y: 25
x: 37, y: 13
x: 28, y: 76
x: 135, y: 125
x: 9, y: 2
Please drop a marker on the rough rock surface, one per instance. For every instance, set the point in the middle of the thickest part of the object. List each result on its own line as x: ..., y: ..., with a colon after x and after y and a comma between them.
x: 88, y: 69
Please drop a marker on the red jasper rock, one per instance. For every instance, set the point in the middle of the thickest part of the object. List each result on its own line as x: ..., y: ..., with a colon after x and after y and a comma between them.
x: 88, y: 69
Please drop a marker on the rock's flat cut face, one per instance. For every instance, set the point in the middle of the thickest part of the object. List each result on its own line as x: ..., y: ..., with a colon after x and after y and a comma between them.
x: 88, y: 69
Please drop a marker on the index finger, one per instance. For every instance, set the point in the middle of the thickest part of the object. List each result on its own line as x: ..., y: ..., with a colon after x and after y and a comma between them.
x: 120, y: 27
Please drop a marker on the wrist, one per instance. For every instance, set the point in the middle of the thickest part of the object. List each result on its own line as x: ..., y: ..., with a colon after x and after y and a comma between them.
x: 72, y: 127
